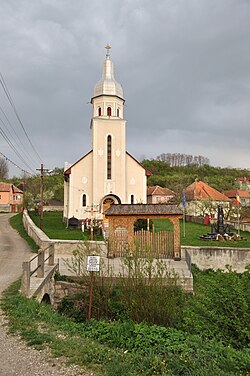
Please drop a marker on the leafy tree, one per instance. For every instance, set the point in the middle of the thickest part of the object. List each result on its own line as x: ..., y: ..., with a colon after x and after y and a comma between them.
x: 4, y: 169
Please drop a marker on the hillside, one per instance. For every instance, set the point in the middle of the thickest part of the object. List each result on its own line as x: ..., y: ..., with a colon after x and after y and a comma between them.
x: 177, y: 178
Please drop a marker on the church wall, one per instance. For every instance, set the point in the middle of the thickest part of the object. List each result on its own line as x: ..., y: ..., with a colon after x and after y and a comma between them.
x: 80, y: 183
x: 136, y: 181
x: 116, y: 185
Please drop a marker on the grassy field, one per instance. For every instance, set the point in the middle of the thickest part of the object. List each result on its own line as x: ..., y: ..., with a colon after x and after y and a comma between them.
x: 56, y: 229
x: 193, y: 231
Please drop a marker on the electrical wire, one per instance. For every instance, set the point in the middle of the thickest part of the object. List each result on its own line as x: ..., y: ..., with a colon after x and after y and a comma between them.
x: 14, y: 164
x: 7, y: 93
x: 22, y: 147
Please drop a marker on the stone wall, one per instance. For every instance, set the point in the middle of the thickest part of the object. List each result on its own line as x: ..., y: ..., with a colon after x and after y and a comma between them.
x: 218, y: 257
x: 63, y: 289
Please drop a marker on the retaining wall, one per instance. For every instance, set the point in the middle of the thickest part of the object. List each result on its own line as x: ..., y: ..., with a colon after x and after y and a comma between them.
x: 218, y: 257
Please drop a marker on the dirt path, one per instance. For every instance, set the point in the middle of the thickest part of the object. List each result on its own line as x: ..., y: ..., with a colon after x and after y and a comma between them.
x: 15, y: 357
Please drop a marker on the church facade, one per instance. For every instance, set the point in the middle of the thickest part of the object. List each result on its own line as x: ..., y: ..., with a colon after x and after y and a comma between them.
x: 107, y: 174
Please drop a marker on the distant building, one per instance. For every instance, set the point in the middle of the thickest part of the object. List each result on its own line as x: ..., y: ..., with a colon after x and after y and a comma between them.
x: 11, y: 198
x: 244, y: 184
x: 243, y: 195
x: 157, y: 195
x: 107, y: 174
x: 201, y: 199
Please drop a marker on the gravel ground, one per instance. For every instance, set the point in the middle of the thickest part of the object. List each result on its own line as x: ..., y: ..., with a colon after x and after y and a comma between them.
x: 17, y: 359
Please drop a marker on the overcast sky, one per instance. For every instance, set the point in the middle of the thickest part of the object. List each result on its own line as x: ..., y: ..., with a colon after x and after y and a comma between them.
x: 184, y: 66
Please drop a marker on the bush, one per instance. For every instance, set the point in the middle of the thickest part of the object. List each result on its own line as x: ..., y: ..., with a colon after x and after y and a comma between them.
x: 221, y: 307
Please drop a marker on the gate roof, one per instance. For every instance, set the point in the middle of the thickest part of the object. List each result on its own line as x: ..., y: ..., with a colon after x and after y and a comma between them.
x: 142, y: 209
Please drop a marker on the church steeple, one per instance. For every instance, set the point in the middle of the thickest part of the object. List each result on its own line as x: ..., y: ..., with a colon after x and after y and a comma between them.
x: 107, y: 84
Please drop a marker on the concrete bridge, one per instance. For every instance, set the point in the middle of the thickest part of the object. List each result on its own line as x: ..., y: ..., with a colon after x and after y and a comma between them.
x: 38, y: 275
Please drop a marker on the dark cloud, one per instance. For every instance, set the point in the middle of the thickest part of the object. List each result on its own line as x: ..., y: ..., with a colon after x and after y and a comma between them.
x: 184, y: 66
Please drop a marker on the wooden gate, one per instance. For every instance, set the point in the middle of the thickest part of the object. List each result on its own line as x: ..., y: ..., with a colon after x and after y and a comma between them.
x: 118, y: 244
x: 157, y: 245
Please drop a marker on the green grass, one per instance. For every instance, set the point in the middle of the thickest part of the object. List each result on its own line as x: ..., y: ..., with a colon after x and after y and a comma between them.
x: 193, y: 231
x: 120, y: 348
x: 55, y: 228
x: 17, y: 224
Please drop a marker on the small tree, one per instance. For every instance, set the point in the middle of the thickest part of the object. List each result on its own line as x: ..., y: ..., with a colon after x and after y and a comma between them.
x: 4, y: 169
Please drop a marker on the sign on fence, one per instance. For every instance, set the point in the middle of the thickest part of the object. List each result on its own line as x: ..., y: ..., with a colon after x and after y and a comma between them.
x: 93, y: 263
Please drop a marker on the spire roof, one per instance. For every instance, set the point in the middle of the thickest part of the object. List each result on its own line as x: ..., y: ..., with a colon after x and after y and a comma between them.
x: 107, y: 84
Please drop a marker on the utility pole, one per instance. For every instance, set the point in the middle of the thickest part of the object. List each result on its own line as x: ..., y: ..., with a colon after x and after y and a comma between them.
x: 42, y: 170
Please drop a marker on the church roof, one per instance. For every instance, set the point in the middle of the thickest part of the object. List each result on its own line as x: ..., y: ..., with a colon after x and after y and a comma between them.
x: 107, y: 84
x: 142, y: 209
x: 67, y: 171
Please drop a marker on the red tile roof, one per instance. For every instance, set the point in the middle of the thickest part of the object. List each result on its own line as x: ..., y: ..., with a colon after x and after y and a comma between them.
x: 235, y: 192
x: 6, y: 187
x: 199, y: 190
x: 159, y: 191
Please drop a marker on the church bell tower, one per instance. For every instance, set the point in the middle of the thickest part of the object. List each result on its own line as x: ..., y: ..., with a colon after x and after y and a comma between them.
x: 108, y: 136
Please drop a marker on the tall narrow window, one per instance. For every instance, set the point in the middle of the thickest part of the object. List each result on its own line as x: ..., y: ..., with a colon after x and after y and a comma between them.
x: 109, y: 160
x: 109, y: 111
x: 84, y: 200
x: 118, y: 112
x: 99, y: 111
x: 132, y: 199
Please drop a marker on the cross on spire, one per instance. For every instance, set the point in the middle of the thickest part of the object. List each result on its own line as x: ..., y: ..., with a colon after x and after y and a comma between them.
x: 107, y: 48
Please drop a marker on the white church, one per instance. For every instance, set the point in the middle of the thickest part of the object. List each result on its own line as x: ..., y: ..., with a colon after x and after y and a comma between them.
x: 107, y: 174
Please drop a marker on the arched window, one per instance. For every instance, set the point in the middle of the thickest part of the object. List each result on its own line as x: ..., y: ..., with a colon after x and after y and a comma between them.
x: 84, y: 200
x: 118, y: 112
x: 132, y: 199
x: 109, y: 111
x: 109, y: 160
x: 99, y: 111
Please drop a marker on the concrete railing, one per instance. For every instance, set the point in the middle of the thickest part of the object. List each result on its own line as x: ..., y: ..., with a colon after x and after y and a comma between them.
x: 36, y: 268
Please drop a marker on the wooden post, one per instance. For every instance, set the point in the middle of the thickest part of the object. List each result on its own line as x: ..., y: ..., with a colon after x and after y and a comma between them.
x: 90, y: 294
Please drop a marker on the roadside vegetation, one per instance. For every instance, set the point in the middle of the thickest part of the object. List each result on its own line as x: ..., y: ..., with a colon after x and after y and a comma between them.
x: 17, y: 224
x: 143, y: 328
x: 210, y: 337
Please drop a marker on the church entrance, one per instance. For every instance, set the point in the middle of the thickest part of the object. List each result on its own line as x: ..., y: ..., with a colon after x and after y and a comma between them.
x: 106, y: 204
x: 108, y: 201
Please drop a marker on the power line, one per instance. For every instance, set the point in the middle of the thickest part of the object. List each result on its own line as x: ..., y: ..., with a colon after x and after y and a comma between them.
x: 7, y: 93
x: 13, y: 147
x: 14, y: 164
x: 22, y: 148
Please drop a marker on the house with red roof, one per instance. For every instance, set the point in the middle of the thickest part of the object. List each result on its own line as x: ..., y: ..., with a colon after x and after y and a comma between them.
x: 244, y: 196
x: 11, y: 198
x: 201, y: 199
x: 158, y: 195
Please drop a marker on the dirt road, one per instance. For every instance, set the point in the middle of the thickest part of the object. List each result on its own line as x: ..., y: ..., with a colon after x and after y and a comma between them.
x: 15, y: 357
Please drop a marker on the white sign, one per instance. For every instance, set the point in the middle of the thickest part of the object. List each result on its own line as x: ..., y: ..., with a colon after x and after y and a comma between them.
x: 93, y: 263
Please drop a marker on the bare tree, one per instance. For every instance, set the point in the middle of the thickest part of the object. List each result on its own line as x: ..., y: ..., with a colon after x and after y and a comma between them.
x: 4, y: 169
